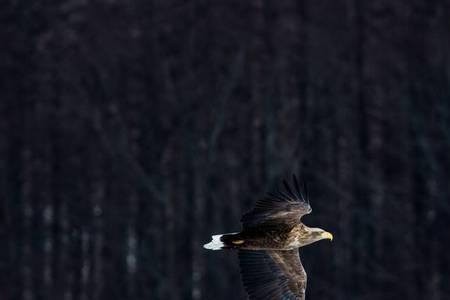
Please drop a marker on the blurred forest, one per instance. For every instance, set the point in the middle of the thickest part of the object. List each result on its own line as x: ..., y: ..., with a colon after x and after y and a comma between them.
x: 133, y: 130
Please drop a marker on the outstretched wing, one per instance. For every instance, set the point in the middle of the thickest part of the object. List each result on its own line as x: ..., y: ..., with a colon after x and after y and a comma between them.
x: 285, y: 207
x: 277, y: 275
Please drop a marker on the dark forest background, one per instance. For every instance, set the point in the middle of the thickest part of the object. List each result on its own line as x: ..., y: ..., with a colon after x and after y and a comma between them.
x: 130, y: 131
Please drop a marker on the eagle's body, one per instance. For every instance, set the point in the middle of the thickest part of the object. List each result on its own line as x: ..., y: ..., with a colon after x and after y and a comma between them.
x: 268, y: 245
x: 281, y: 237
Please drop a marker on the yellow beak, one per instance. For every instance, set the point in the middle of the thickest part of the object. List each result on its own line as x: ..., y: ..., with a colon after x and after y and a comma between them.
x: 327, y: 235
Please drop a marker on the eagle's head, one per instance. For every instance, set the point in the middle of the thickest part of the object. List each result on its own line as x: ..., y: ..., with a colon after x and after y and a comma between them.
x: 311, y: 235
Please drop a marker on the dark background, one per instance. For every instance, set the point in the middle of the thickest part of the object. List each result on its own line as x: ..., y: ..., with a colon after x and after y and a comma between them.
x: 130, y: 131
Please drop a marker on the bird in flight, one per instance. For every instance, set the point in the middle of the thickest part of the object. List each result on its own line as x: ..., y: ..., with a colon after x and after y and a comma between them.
x: 268, y: 245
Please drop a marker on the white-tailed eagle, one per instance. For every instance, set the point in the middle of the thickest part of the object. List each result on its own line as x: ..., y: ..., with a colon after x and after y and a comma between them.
x: 268, y: 245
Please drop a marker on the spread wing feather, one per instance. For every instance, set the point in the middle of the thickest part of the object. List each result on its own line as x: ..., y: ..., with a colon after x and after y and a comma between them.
x: 277, y: 275
x: 286, y: 207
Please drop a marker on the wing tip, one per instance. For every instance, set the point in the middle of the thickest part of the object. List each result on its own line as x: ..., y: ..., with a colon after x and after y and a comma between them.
x: 295, y: 191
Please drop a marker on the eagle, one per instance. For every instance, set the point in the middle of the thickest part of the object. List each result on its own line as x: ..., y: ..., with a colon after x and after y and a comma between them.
x: 268, y: 244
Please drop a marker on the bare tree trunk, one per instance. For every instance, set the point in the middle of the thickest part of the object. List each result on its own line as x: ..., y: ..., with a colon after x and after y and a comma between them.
x: 28, y: 211
x: 199, y: 204
x: 64, y: 237
x: 259, y: 134
x: 97, y: 196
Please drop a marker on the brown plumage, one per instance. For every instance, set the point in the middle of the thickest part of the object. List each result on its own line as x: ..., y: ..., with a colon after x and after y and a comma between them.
x: 268, y: 245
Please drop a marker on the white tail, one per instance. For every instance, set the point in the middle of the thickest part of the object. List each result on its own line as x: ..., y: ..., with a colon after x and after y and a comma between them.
x: 216, y: 243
